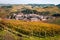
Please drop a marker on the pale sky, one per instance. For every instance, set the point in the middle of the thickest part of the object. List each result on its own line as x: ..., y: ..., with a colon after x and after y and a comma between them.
x: 29, y: 1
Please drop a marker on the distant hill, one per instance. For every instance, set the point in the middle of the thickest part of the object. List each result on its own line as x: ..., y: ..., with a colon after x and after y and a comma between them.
x: 58, y: 5
x: 5, y: 4
x: 40, y: 5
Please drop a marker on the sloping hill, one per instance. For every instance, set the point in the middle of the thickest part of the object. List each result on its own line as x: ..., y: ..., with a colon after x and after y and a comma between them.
x: 30, y: 30
x: 31, y: 27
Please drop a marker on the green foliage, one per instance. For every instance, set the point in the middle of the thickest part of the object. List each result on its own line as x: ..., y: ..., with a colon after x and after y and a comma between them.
x: 6, y: 6
x: 27, y: 11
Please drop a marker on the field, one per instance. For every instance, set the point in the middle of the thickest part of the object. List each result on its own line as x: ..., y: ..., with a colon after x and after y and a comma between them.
x: 56, y: 21
x: 21, y: 30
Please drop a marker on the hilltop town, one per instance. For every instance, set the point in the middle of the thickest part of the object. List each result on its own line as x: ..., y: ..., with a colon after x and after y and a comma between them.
x: 30, y: 17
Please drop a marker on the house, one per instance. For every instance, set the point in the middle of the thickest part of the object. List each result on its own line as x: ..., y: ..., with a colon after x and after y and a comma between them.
x: 34, y: 19
x: 25, y: 19
x: 26, y: 15
x: 43, y: 19
x: 41, y: 16
x: 19, y: 16
x: 33, y: 15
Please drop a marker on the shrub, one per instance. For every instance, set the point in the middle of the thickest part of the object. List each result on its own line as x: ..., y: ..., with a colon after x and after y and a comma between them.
x: 39, y: 29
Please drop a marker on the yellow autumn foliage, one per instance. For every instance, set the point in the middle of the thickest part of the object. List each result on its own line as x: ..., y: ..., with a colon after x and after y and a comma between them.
x: 32, y: 27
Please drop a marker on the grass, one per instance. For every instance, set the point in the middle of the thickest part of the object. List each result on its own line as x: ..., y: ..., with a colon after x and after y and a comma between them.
x: 4, y: 34
x: 56, y: 21
x: 32, y: 37
x: 46, y: 38
x: 36, y: 38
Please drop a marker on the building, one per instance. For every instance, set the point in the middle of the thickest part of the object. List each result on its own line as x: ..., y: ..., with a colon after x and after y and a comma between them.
x: 31, y: 17
x: 34, y: 19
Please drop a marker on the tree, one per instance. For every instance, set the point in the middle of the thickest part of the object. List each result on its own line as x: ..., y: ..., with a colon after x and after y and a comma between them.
x: 27, y: 11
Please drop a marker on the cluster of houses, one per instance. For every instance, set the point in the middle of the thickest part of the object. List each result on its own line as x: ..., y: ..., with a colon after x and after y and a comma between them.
x: 30, y: 17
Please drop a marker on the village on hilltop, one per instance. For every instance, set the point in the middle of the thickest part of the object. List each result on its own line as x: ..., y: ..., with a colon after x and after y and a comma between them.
x: 30, y: 17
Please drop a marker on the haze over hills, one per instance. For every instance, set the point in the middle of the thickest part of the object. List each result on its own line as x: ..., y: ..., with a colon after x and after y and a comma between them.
x: 41, y: 5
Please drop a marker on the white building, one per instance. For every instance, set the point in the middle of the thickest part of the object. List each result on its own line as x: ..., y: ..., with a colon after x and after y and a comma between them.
x: 34, y: 19
x: 19, y: 17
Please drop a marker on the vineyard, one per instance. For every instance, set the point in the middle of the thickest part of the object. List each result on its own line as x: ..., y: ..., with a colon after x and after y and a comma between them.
x: 27, y: 29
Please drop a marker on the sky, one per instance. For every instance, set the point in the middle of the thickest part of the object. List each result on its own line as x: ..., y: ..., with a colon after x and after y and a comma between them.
x: 30, y: 2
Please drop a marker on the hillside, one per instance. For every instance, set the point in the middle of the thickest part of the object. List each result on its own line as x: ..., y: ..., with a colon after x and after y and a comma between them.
x: 45, y: 8
x: 29, y: 30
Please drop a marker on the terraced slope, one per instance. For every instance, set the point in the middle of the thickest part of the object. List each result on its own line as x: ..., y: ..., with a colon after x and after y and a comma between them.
x: 30, y: 29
